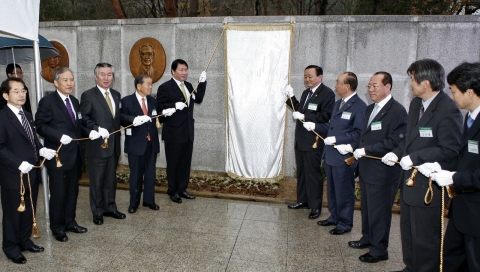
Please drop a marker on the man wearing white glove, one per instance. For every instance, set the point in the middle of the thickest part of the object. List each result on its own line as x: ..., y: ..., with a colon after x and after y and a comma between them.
x: 19, y: 153
x: 58, y: 121
x: 462, y: 237
x: 141, y: 143
x: 344, y: 149
x: 309, y: 126
x: 168, y: 112
x: 344, y: 128
x: 433, y: 135
x: 100, y: 109
x: 47, y: 153
x: 384, y: 126
x: 178, y: 129
x: 315, y: 106
x: 428, y: 168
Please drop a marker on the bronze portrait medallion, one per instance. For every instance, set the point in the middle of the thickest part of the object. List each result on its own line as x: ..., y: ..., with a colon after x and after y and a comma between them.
x: 49, y: 65
x: 147, y: 57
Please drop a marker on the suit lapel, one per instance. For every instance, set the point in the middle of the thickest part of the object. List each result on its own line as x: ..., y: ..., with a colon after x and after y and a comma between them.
x: 380, y: 114
x: 176, y: 89
x: 62, y: 106
x: 16, y: 123
x: 347, y: 104
x: 101, y: 99
x: 469, y: 133
x: 136, y: 105
x: 367, y: 116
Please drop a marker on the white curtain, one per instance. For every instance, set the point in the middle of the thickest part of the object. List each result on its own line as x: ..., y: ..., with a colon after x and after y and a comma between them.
x: 258, y: 65
x: 19, y: 19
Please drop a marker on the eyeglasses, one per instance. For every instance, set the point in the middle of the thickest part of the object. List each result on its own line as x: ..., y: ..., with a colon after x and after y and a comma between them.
x: 375, y: 87
x: 18, y: 73
x: 23, y: 91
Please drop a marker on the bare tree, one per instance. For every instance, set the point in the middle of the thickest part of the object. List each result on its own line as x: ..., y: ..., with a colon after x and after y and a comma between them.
x: 118, y: 8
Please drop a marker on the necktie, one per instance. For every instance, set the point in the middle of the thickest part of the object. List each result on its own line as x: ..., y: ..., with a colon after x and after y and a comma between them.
x: 310, y: 93
x: 469, y: 121
x: 70, y: 111
x: 420, y: 114
x: 182, y: 86
x: 109, y: 103
x: 145, y: 112
x: 341, y: 104
x: 374, y: 113
x: 28, y: 130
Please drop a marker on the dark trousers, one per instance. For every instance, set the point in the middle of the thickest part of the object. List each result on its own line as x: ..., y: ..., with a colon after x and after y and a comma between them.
x: 142, y: 173
x: 309, y: 178
x: 461, y: 251
x: 179, y: 160
x: 17, y: 226
x: 63, y: 197
x: 420, y: 230
x: 376, y: 206
x: 103, y: 184
x: 341, y: 195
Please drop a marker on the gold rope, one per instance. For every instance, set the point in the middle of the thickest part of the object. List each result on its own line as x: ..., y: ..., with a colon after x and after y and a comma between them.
x: 441, y: 230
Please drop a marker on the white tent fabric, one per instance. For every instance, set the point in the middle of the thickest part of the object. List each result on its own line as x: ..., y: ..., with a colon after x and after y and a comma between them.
x: 257, y: 64
x: 19, y: 19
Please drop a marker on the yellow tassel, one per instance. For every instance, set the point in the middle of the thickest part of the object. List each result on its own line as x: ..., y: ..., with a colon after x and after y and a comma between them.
x: 59, y: 164
x: 451, y: 191
x: 21, y: 208
x: 105, y: 143
x: 36, y: 233
x: 349, y: 161
x: 315, y: 144
x: 157, y: 123
x: 411, y: 180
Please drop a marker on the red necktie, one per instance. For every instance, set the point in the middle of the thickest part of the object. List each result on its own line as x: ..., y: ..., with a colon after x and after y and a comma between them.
x: 145, y: 112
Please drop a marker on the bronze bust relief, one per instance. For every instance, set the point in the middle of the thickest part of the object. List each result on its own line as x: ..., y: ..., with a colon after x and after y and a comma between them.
x: 49, y: 65
x: 147, y: 56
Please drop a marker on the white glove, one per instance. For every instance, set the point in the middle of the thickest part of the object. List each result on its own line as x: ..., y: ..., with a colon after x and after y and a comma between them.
x: 94, y: 135
x: 203, y: 77
x: 443, y: 178
x: 140, y: 120
x: 359, y: 152
x: 309, y: 126
x: 390, y: 159
x: 330, y: 140
x: 343, y: 148
x: 299, y: 116
x: 406, y: 163
x: 168, y: 112
x: 65, y: 139
x: 288, y: 91
x: 180, y: 105
x: 47, y: 153
x: 25, y: 167
x: 428, y: 168
x: 103, y: 132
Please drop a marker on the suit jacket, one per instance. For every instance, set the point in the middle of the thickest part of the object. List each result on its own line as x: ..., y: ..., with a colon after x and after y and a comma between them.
x: 136, y: 142
x: 465, y: 207
x: 445, y: 121
x: 345, y: 130
x: 378, y: 142
x: 178, y: 128
x: 53, y: 121
x: 15, y: 147
x: 96, y: 113
x: 324, y: 98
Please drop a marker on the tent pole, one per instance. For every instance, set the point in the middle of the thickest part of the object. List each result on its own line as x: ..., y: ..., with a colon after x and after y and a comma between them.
x: 39, y: 89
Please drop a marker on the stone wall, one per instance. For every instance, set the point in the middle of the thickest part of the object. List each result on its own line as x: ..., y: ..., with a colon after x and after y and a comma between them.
x: 362, y: 44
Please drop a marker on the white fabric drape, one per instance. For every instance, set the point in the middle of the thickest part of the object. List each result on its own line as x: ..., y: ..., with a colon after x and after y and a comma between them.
x: 257, y: 63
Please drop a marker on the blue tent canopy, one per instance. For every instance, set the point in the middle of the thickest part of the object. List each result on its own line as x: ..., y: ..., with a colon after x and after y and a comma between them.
x: 20, y: 51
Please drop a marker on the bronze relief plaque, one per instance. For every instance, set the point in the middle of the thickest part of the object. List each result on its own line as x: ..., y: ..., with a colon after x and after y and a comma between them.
x: 49, y: 65
x: 147, y: 56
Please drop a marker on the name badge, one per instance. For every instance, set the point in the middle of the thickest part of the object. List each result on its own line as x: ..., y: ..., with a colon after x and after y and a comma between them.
x: 426, y: 132
x: 120, y: 104
x: 473, y: 146
x: 346, y: 115
x: 154, y: 112
x: 79, y: 115
x: 312, y: 106
x: 128, y: 131
x: 376, y: 125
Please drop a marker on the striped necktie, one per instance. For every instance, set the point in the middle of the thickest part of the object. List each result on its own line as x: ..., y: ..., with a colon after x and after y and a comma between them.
x: 28, y: 130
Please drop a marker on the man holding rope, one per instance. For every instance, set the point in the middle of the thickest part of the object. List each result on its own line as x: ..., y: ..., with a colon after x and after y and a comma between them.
x: 20, y: 150
x: 433, y: 134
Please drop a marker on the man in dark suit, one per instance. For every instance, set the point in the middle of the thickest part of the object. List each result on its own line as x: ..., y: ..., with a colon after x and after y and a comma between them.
x: 141, y: 143
x: 344, y: 127
x: 315, y: 106
x: 178, y: 130
x: 16, y: 71
x: 57, y: 122
x: 384, y: 127
x: 20, y: 150
x: 433, y: 134
x: 462, y: 238
x: 101, y: 115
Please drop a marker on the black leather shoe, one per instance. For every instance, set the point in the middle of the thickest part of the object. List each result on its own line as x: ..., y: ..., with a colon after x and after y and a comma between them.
x: 60, y: 236
x: 77, y: 229
x: 314, y: 214
x: 20, y: 259
x: 153, y: 206
x: 369, y: 258
x: 115, y: 214
x: 298, y: 206
x: 358, y: 244
x: 36, y: 249
x: 337, y: 231
x: 176, y: 198
x: 325, y: 223
x: 132, y: 209
x: 186, y: 195
x: 98, y: 219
